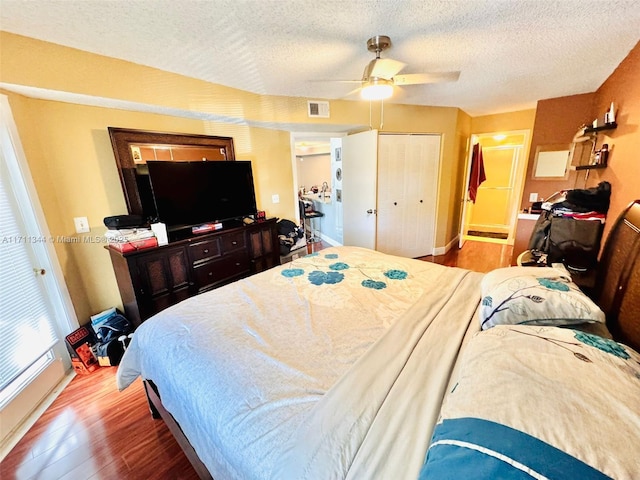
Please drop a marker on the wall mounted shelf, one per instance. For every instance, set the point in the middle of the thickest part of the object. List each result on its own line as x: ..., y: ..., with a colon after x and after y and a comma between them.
x: 591, y: 167
x: 607, y: 126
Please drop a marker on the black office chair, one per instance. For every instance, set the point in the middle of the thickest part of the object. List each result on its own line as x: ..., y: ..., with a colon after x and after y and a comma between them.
x: 308, y: 213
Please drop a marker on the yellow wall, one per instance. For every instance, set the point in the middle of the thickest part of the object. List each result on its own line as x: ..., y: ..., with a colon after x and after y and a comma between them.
x: 70, y: 155
x: 73, y: 168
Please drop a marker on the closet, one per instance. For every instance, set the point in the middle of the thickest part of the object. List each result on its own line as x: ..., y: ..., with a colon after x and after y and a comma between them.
x: 407, y: 193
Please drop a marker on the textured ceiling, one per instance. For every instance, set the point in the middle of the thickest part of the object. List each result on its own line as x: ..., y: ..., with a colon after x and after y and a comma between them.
x: 510, y: 53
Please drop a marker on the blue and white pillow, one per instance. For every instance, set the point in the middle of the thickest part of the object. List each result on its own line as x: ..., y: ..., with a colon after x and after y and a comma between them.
x: 534, y: 296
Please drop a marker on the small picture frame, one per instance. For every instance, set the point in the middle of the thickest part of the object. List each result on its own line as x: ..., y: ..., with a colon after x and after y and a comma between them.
x: 338, y: 152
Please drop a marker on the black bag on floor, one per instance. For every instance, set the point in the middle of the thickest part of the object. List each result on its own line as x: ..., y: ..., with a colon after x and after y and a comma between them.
x: 109, y: 354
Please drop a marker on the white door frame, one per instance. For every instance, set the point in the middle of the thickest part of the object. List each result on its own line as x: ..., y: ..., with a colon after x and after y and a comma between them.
x: 518, y: 184
x: 296, y: 137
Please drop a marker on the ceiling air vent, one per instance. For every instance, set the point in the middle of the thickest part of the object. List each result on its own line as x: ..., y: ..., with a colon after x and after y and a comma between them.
x: 317, y: 109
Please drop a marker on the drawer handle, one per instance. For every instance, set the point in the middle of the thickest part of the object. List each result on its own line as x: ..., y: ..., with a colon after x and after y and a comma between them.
x: 234, y: 243
x: 237, y: 264
x: 211, y: 274
x: 206, y: 250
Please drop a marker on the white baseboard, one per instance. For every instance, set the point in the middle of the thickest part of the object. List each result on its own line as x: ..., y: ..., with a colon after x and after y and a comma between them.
x: 447, y: 247
x: 330, y: 241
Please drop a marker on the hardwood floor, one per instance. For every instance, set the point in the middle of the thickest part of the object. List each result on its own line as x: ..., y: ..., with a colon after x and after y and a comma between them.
x: 92, y: 431
x: 477, y: 256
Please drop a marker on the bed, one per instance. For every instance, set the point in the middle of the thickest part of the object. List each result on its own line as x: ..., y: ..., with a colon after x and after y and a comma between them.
x: 350, y: 363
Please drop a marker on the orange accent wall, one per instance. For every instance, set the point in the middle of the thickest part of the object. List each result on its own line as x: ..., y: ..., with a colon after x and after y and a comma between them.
x: 623, y: 89
x: 558, y: 120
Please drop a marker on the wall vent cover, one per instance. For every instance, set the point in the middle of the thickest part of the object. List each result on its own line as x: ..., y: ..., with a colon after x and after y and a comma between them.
x: 318, y: 109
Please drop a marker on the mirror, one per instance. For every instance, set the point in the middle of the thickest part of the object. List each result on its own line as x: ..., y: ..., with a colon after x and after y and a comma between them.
x: 132, y: 149
x: 552, y: 162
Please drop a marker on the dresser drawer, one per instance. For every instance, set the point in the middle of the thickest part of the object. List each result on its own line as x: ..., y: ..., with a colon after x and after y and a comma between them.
x: 232, y: 241
x: 204, y: 250
x: 225, y: 268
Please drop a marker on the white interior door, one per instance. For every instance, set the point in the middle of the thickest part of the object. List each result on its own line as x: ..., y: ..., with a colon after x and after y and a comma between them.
x: 467, y: 206
x: 407, y: 194
x: 359, y: 188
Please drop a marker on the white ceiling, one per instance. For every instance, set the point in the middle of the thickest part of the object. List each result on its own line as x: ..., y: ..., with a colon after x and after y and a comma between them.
x: 510, y: 53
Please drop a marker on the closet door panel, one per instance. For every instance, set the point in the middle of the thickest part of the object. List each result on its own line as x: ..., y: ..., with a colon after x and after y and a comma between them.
x: 407, y: 193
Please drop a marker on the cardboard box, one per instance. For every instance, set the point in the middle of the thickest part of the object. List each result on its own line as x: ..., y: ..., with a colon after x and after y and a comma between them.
x: 80, y: 342
x: 80, y: 367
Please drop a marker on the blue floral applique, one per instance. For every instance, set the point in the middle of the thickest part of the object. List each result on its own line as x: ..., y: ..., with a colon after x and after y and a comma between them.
x: 318, y: 278
x: 604, y: 344
x: 374, y: 284
x: 553, y: 284
x: 292, y: 272
x: 339, y: 266
x: 331, y: 256
x: 487, y: 301
x: 396, y: 274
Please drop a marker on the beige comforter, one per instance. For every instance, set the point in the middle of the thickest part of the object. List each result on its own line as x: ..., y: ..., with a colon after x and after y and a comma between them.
x: 332, y: 366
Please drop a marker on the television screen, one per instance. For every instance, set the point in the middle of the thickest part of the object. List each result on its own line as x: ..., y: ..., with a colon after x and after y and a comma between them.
x: 193, y: 193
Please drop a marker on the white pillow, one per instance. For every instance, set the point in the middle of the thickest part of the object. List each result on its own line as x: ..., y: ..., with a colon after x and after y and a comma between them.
x: 534, y: 296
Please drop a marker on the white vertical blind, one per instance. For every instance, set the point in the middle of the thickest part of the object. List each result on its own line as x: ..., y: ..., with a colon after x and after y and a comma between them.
x: 26, y: 330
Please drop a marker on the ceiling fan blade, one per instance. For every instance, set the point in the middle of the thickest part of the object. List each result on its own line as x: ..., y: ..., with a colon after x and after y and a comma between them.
x: 383, y: 68
x: 417, y: 78
x: 335, y: 81
x: 352, y: 92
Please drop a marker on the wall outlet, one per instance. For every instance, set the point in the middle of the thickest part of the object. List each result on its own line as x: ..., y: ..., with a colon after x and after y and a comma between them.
x: 533, y: 197
x: 82, y: 224
x: 275, y: 198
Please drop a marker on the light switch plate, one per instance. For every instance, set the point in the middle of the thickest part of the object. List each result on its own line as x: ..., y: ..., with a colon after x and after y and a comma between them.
x: 82, y: 224
x: 275, y: 198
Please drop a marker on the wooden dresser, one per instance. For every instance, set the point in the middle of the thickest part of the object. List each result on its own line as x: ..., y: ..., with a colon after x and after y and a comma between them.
x: 153, y: 279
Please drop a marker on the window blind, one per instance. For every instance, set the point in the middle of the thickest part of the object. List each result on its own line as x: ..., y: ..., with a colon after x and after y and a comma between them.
x: 26, y: 329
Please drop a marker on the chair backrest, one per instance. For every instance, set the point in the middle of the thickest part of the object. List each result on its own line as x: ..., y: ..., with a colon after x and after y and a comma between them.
x: 301, y: 208
x: 618, y: 285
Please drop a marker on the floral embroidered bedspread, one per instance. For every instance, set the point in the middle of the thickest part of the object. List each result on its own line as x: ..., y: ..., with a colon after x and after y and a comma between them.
x: 540, y: 402
x: 242, y: 367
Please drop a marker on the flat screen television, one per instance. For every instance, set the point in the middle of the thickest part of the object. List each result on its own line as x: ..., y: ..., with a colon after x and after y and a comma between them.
x: 187, y: 194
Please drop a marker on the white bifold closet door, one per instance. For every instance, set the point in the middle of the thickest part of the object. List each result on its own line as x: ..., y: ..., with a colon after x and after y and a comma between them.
x: 407, y: 194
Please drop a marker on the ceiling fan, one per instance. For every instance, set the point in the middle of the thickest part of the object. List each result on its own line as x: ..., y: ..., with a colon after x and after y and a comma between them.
x: 381, y: 74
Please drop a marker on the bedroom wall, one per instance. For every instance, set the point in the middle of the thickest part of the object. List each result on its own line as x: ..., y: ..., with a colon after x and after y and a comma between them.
x: 623, y: 172
x: 70, y: 155
x: 71, y: 161
x: 558, y: 119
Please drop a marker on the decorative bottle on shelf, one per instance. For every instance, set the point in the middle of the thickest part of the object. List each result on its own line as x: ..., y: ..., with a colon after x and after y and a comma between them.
x: 604, y: 154
x: 610, y: 116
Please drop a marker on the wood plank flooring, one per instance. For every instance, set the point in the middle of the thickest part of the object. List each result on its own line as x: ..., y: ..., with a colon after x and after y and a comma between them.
x: 93, y: 432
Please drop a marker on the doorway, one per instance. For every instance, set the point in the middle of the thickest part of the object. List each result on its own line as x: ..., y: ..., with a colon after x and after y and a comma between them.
x: 492, y: 217
x: 313, y: 165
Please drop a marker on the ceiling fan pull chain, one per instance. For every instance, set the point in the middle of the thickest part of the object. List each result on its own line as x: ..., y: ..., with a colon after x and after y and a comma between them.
x: 381, y: 113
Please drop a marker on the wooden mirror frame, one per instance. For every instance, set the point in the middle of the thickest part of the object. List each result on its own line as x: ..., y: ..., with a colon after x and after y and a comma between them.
x: 123, y: 138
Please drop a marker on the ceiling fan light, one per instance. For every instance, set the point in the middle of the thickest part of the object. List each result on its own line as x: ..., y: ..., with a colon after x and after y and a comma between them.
x: 377, y: 89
